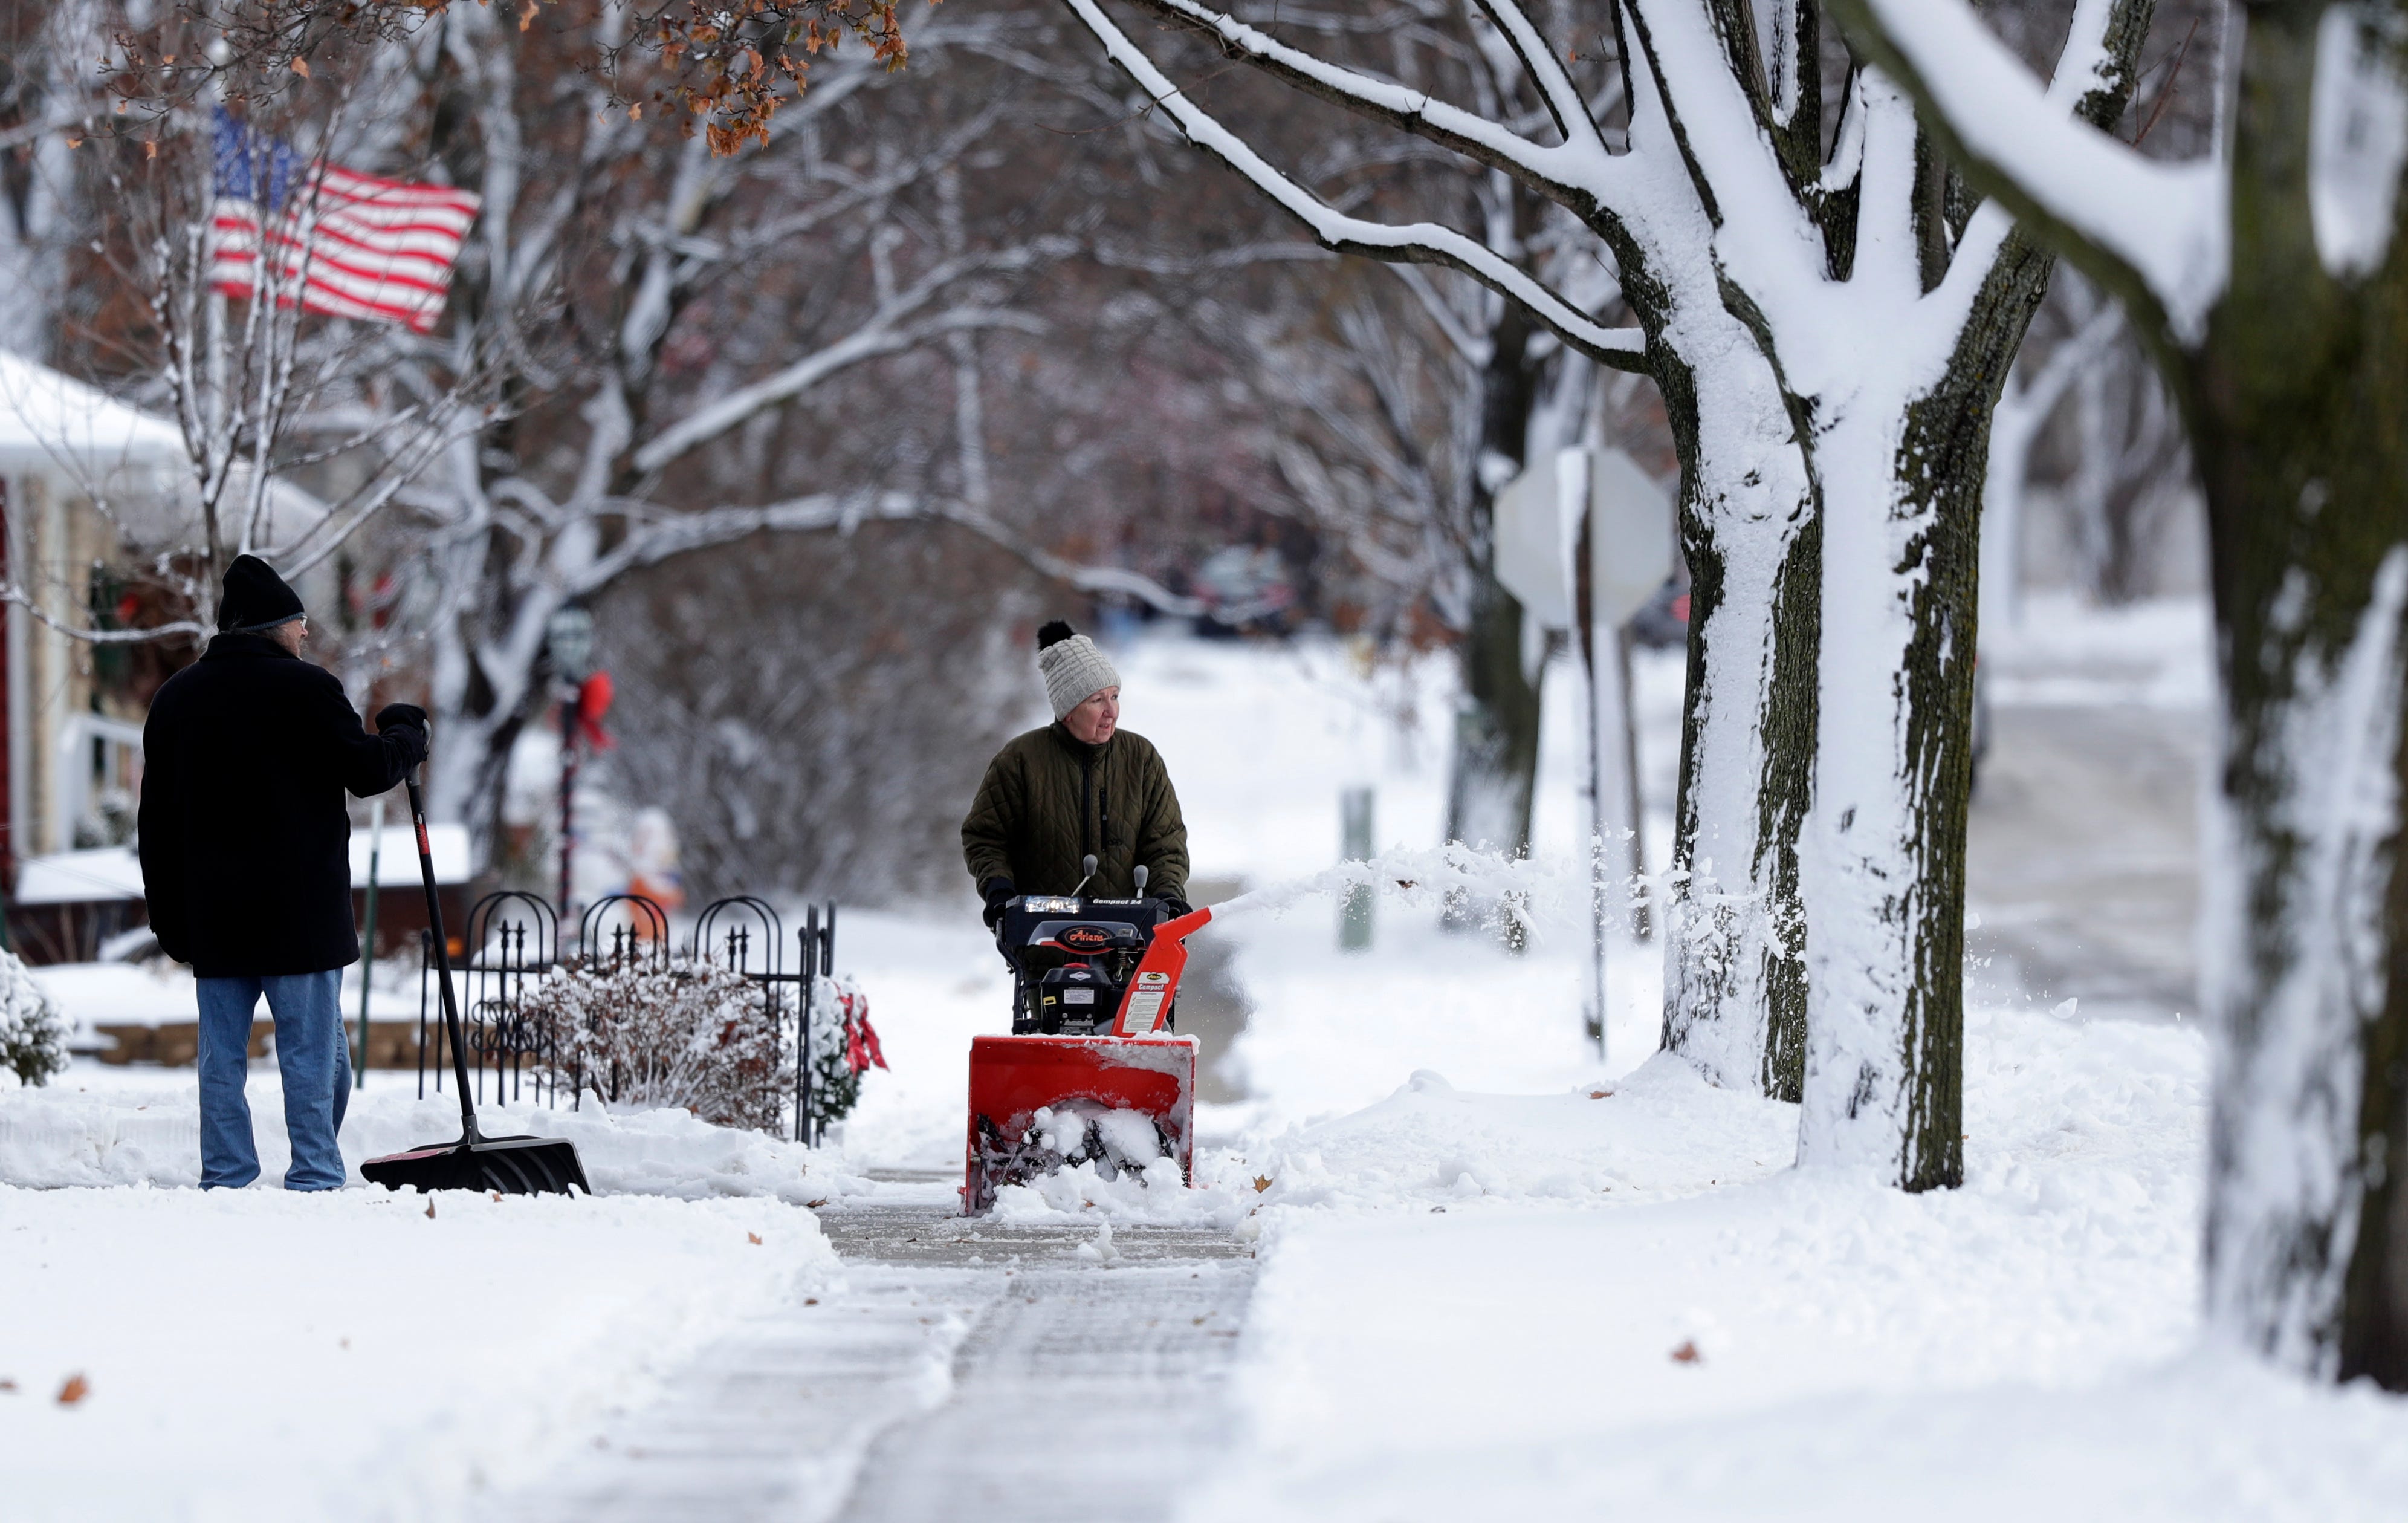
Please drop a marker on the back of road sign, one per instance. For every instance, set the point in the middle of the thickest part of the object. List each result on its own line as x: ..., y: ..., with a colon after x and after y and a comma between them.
x: 1630, y: 537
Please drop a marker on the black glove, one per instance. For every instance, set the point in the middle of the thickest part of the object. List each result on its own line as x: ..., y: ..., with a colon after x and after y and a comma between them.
x: 995, y: 891
x: 408, y: 717
x: 1174, y: 906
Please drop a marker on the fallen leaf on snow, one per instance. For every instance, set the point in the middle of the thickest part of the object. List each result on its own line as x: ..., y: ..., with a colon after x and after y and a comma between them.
x: 1687, y: 1353
x: 430, y: 1208
x: 8, y: 1386
x: 1262, y: 1182
x: 75, y: 1390
x: 753, y: 1237
x: 811, y: 1301
x: 814, y: 1205
x: 1601, y: 1093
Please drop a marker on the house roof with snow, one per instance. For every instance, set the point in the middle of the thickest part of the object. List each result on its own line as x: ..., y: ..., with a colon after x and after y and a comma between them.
x: 52, y: 424
x: 48, y: 419
x: 113, y: 873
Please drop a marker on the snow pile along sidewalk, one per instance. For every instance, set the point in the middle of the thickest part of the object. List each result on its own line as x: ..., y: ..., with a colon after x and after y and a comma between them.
x: 1558, y: 1307
x: 150, y: 1134
x: 355, y: 1355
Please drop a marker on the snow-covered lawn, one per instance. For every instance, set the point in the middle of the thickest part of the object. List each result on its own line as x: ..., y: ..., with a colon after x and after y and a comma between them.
x: 261, y: 1355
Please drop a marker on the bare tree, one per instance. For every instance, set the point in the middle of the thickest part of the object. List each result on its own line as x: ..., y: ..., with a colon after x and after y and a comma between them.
x: 603, y: 347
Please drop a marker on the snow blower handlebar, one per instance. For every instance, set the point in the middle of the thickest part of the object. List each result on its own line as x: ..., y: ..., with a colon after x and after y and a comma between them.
x: 442, y: 962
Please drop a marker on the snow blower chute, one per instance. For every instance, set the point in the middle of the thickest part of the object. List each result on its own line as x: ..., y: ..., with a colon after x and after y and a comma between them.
x: 512, y: 1165
x: 1091, y: 1071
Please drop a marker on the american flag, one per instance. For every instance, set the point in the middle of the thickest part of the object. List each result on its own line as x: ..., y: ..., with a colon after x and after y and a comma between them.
x: 343, y: 243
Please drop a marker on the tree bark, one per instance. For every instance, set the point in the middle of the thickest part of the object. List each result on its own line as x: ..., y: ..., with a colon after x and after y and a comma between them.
x: 1901, y: 483
x: 1735, y: 986
x: 2297, y: 403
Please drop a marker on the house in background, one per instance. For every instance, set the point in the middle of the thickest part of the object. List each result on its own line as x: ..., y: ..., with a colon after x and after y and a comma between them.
x: 75, y: 467
x: 90, y: 490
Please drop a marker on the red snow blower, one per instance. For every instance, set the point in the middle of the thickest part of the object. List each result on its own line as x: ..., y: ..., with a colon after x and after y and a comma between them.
x: 1092, y: 1065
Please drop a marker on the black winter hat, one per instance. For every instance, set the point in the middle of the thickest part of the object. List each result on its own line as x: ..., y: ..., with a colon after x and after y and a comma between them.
x: 255, y: 598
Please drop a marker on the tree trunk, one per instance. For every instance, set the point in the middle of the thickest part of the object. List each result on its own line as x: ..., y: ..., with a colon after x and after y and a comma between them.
x: 1496, y: 722
x: 1883, y: 1084
x: 2297, y: 403
x: 1735, y: 989
x: 1900, y: 483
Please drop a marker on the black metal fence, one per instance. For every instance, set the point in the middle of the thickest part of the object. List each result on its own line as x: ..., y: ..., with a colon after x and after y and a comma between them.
x: 513, y: 943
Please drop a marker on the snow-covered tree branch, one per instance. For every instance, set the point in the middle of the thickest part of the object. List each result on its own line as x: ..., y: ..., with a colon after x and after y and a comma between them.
x: 1420, y: 242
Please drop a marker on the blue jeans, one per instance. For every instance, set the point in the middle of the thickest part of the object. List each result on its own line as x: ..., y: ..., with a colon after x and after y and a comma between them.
x: 310, y: 1053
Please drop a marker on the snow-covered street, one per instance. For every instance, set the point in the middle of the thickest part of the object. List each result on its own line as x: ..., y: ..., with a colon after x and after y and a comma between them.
x: 1441, y: 1262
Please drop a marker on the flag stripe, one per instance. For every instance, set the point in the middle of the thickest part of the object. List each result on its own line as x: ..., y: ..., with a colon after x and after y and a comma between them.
x: 435, y: 257
x: 339, y: 243
x: 317, y: 257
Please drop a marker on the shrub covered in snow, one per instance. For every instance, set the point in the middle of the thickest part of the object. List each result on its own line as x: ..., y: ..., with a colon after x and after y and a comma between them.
x: 697, y: 1036
x: 33, y: 1032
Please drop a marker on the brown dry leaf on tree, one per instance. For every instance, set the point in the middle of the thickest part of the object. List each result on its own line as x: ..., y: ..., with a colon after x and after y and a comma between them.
x: 75, y: 1390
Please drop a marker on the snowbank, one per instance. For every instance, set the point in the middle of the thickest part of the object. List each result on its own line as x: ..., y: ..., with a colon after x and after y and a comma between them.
x: 262, y: 1355
x: 1557, y: 1306
x: 147, y: 1131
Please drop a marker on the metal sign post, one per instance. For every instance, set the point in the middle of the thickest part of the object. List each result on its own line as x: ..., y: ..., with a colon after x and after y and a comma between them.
x: 1584, y: 537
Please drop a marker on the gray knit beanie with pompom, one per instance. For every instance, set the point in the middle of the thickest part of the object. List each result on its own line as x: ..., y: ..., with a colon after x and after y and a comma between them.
x: 1075, y: 670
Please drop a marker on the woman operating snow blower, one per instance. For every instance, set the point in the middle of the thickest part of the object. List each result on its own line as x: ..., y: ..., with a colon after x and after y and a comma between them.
x: 1077, y: 846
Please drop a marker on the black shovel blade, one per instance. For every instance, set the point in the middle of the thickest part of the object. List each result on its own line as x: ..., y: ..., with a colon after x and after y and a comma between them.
x: 512, y: 1165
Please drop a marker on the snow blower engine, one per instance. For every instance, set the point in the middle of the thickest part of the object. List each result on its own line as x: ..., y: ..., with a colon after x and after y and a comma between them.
x: 1091, y: 1071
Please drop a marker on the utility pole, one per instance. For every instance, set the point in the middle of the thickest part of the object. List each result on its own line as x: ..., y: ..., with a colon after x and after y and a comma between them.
x: 569, y: 637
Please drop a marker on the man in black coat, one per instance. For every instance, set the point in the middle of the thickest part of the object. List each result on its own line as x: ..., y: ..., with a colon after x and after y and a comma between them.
x: 246, y: 862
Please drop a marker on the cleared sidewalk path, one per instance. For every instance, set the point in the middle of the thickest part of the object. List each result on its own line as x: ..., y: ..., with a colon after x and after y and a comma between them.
x: 963, y: 1369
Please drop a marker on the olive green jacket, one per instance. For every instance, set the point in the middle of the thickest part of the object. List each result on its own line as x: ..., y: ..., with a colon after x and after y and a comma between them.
x: 1049, y: 800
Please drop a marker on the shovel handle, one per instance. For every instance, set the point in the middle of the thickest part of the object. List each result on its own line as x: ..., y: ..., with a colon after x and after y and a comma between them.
x: 442, y: 960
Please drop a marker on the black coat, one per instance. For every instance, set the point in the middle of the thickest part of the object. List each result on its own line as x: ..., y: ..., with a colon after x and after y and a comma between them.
x: 246, y: 841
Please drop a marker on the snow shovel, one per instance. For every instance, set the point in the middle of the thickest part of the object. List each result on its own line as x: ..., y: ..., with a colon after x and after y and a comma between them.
x: 512, y: 1165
